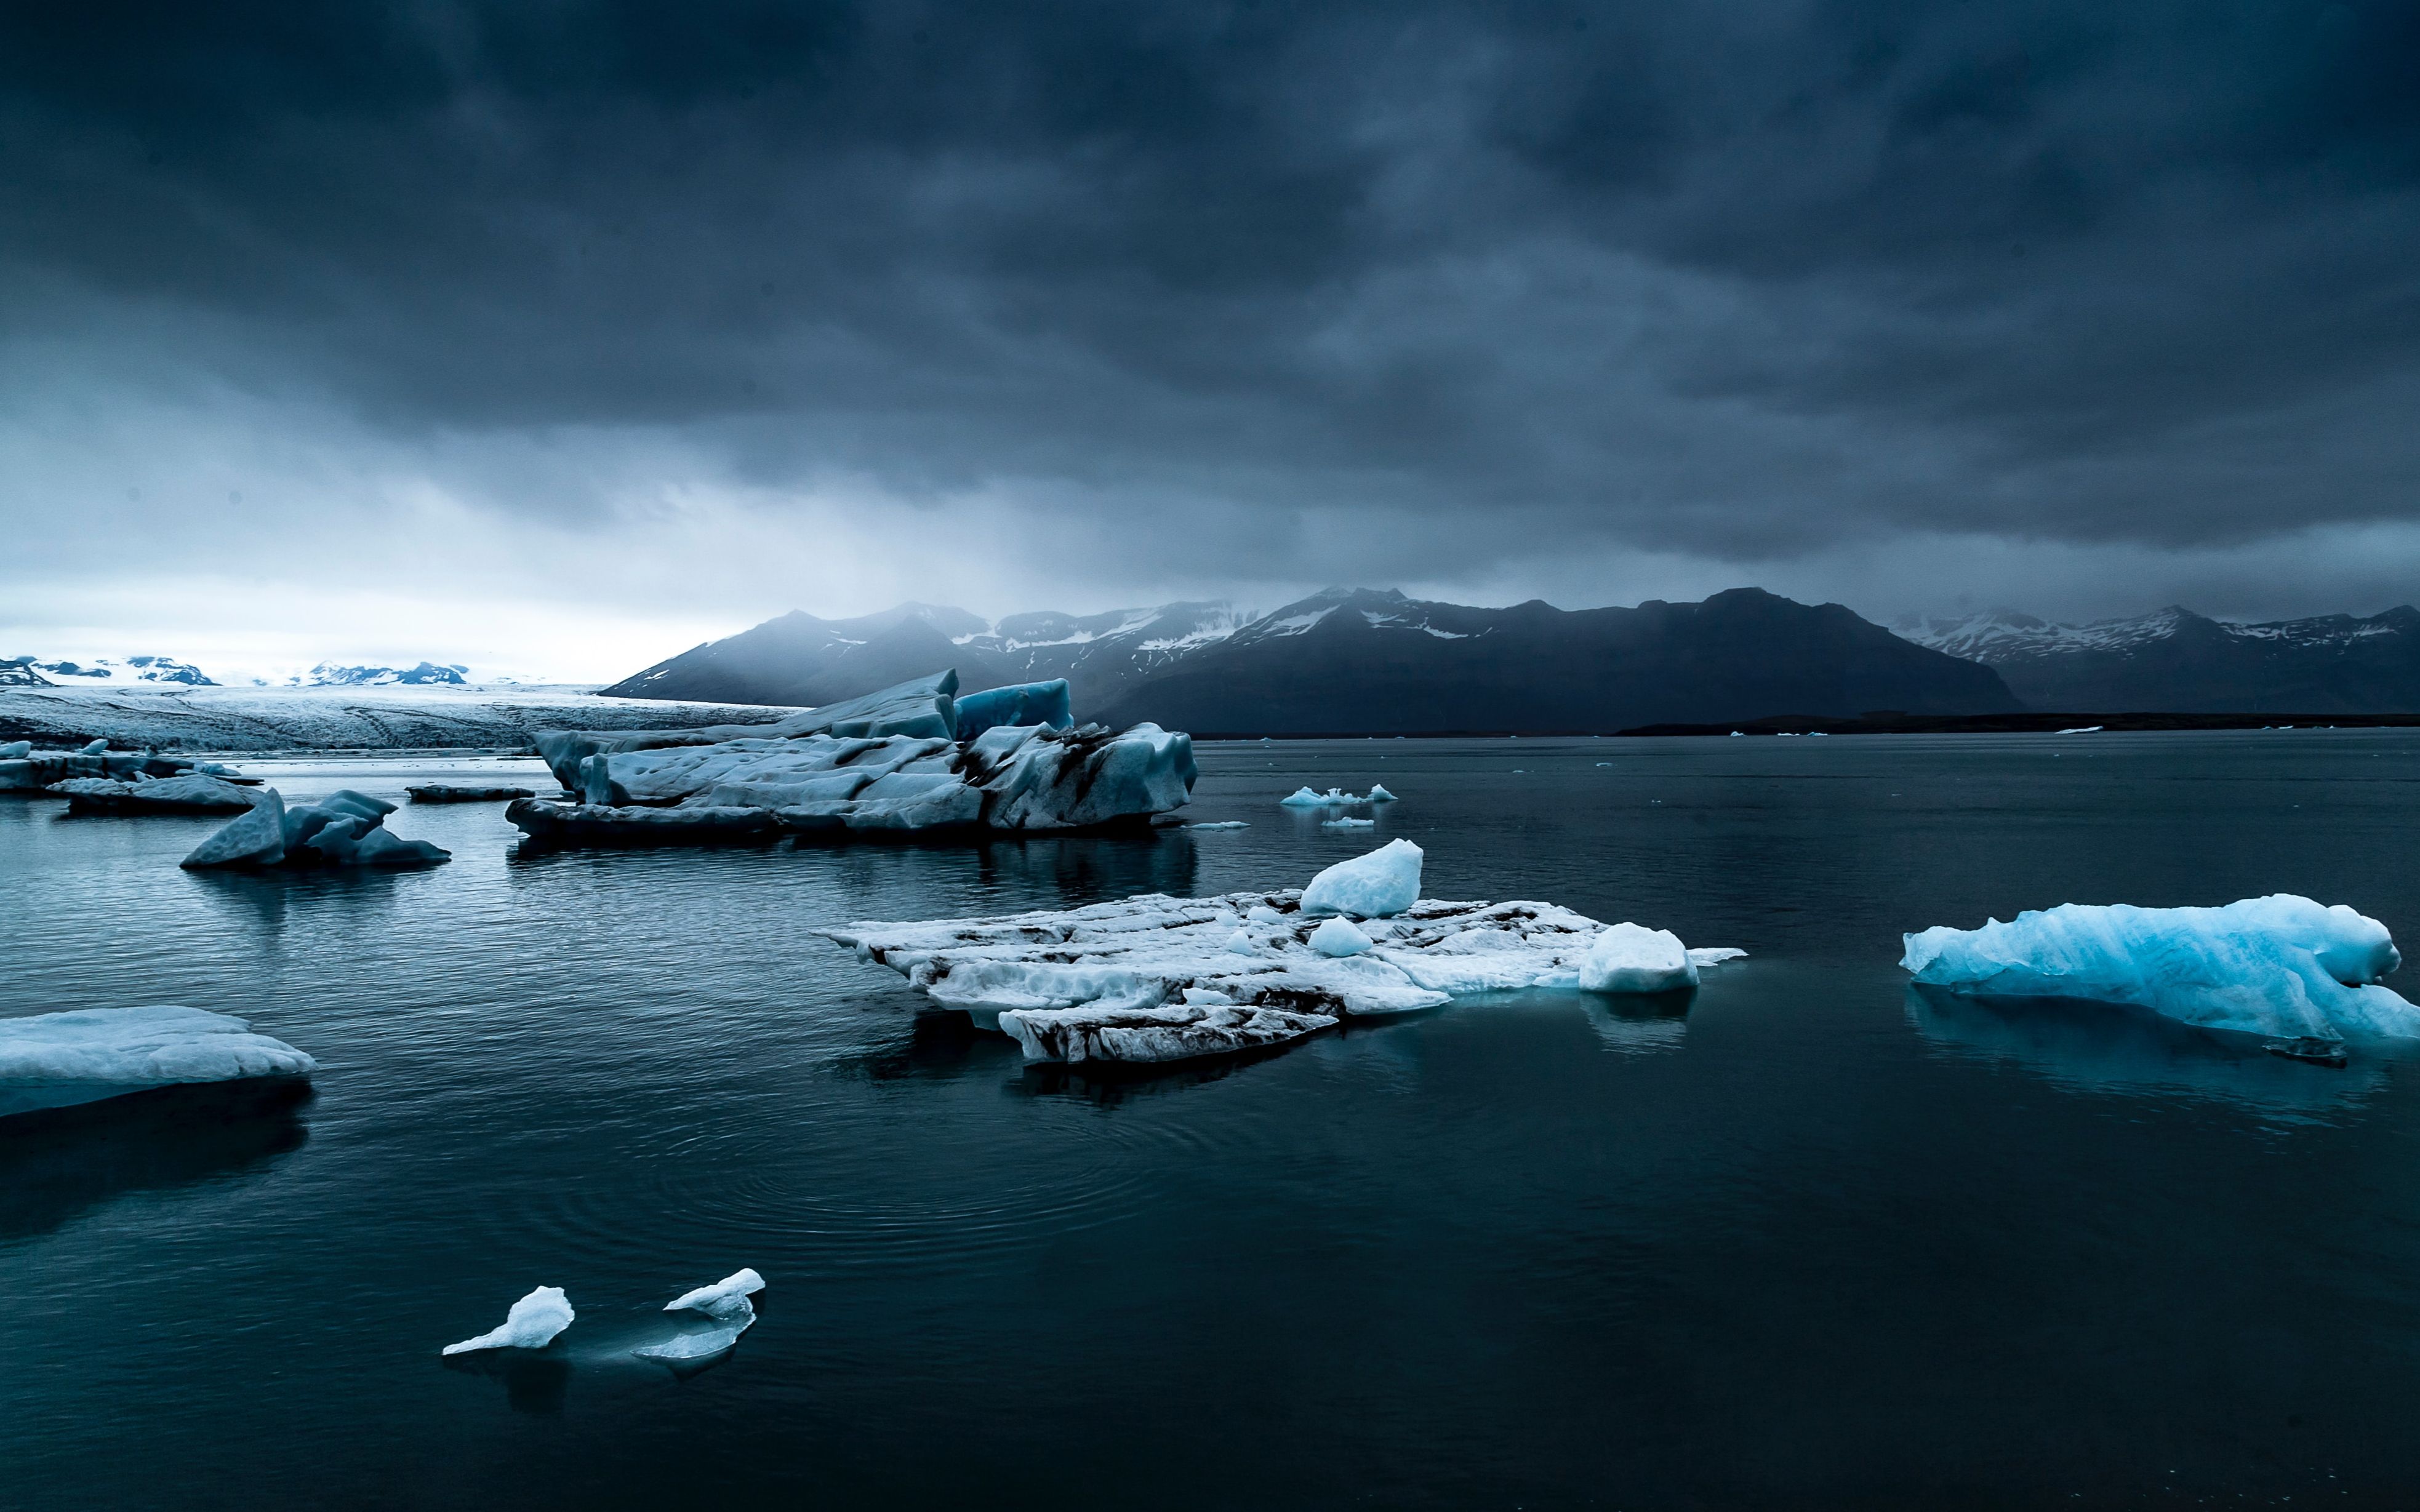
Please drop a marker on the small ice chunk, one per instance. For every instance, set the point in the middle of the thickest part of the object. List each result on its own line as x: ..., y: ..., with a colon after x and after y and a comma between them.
x: 16, y: 750
x: 531, y: 1324
x: 1240, y: 943
x: 726, y: 1298
x: 96, y: 748
x: 1378, y: 793
x: 1376, y: 885
x: 1338, y: 938
x: 1631, y: 957
x: 1348, y: 823
x: 1263, y: 914
x: 1222, y: 823
x: 1303, y: 797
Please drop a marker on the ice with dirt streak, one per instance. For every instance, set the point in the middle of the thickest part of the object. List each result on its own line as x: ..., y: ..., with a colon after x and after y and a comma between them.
x: 2281, y: 966
x: 1156, y: 978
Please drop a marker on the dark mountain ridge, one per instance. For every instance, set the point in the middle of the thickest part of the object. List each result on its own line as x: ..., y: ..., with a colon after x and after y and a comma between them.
x: 1363, y: 661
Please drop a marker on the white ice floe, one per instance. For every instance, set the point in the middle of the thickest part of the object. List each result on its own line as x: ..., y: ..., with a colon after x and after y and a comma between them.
x: 726, y: 1303
x: 60, y: 1059
x: 1348, y: 823
x: 1379, y: 794
x: 531, y: 1324
x: 1385, y: 882
x: 2280, y: 965
x: 1156, y: 978
x: 1334, y: 798
x: 345, y: 828
x: 1223, y: 824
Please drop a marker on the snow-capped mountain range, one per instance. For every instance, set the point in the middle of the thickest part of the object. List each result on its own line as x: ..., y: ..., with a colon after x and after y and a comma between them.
x: 1353, y: 660
x: 2176, y: 660
x: 167, y: 673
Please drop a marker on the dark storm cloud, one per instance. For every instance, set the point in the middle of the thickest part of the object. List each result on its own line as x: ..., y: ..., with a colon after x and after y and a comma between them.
x: 1731, y: 279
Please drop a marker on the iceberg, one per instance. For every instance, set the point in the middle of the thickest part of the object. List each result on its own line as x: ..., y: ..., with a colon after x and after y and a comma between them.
x: 862, y: 776
x: 1379, y: 794
x: 1155, y: 979
x: 1303, y: 797
x: 923, y: 708
x: 1348, y: 823
x: 53, y: 1060
x: 726, y: 1303
x: 1385, y: 882
x: 194, y: 792
x: 2281, y: 966
x: 532, y: 1324
x: 346, y: 828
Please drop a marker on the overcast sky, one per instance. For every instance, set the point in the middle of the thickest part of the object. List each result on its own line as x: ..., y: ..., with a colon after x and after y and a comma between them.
x: 555, y: 337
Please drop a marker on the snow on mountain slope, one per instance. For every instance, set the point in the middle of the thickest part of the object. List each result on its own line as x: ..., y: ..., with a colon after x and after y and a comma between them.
x: 99, y: 672
x: 2176, y: 660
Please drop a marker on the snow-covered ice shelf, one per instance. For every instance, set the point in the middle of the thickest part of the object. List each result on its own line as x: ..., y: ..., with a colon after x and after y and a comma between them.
x: 2280, y: 965
x: 54, y: 1060
x: 1159, y: 979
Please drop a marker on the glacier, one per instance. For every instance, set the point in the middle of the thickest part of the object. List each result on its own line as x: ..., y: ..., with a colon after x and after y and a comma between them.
x: 1155, y: 978
x: 59, y: 1060
x: 2281, y: 966
x: 531, y: 1323
x: 345, y: 828
x: 892, y: 762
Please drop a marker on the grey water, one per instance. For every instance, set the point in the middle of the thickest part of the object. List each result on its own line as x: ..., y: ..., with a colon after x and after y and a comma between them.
x: 1804, y: 1240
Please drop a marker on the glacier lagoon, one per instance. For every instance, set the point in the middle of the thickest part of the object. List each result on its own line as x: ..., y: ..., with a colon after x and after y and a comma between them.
x: 1811, y: 1238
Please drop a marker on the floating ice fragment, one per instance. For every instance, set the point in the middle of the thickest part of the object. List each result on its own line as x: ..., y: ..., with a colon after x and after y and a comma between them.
x: 1386, y: 881
x: 1378, y: 793
x: 1629, y: 958
x: 531, y: 1324
x: 1222, y: 823
x: 726, y: 1298
x: 1339, y: 938
x: 16, y: 750
x: 96, y: 748
x: 52, y: 1060
x: 2281, y: 966
x: 2082, y: 730
x: 1303, y: 797
x: 1155, y: 979
x: 1348, y: 823
x: 345, y: 828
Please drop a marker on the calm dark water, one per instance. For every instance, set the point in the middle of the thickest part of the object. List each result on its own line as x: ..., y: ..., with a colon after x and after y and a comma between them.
x: 1812, y: 1244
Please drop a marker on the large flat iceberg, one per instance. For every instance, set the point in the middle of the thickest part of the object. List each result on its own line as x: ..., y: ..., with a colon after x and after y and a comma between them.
x: 1157, y: 978
x: 898, y: 763
x: 2281, y: 966
x: 192, y: 793
x: 54, y: 1060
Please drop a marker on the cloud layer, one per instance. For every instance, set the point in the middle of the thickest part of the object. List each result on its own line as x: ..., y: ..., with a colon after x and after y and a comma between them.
x: 675, y: 316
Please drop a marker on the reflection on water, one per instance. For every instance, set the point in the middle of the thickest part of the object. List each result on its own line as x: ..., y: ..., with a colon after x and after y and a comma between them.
x: 1642, y: 1025
x: 536, y: 1381
x: 57, y: 1163
x: 2109, y: 1047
